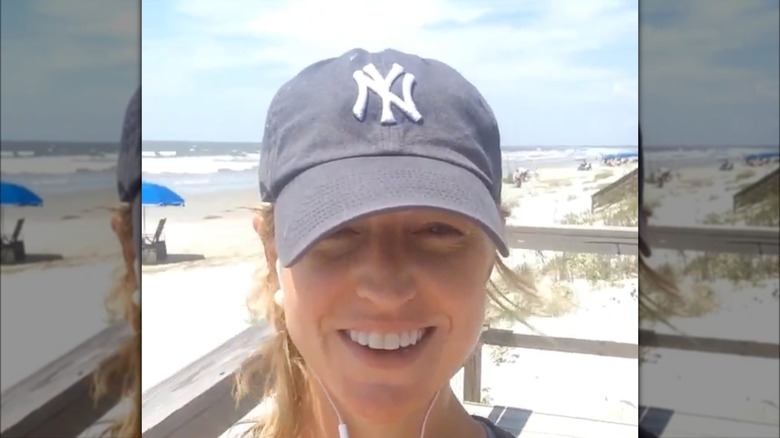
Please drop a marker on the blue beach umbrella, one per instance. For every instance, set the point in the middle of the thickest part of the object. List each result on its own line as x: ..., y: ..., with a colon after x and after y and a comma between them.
x: 159, y: 196
x: 16, y: 195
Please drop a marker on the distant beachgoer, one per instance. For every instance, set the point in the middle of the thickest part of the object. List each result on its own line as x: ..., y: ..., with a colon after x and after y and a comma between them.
x: 520, y: 176
x: 381, y: 225
x: 125, y: 299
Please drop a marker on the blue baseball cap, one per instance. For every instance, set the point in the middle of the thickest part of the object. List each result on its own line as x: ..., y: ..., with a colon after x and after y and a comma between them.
x: 367, y: 133
x: 128, y: 167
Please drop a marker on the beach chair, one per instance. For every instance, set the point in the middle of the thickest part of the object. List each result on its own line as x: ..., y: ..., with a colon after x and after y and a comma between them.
x: 153, y: 247
x: 13, y: 247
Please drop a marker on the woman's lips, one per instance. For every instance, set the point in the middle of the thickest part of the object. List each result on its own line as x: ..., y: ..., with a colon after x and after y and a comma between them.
x: 383, y: 350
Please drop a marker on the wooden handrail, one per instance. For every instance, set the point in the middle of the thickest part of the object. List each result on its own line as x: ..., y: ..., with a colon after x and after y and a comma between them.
x: 576, y: 239
x: 57, y: 400
x: 507, y: 338
x: 717, y: 239
x: 652, y: 339
x: 198, y: 400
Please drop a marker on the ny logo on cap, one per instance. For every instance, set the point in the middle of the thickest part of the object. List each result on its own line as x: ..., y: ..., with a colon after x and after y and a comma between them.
x: 370, y: 79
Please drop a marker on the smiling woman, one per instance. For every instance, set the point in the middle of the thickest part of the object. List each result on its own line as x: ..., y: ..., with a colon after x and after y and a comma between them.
x: 381, y: 225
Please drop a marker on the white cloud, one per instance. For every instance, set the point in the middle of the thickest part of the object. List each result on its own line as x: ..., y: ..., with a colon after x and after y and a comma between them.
x: 295, y: 33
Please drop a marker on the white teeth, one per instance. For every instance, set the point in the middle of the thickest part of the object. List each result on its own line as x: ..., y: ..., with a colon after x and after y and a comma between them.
x: 386, y: 341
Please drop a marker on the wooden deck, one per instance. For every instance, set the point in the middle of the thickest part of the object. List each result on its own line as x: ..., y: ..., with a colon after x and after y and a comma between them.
x: 527, y: 423
x: 669, y: 423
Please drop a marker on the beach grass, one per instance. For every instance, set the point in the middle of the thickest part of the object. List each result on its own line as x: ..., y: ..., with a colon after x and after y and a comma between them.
x: 554, y: 274
x: 622, y: 214
x: 745, y: 174
x: 696, y: 275
x: 602, y: 175
x: 762, y: 214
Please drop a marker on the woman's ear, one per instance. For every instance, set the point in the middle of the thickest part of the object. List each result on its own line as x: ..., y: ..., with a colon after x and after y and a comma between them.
x: 116, y: 225
x: 128, y: 249
x: 257, y: 224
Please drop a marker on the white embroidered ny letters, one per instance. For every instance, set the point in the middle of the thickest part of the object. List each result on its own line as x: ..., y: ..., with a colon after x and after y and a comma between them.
x: 369, y: 78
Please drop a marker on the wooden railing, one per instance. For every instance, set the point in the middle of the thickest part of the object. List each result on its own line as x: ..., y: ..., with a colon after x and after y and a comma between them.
x: 472, y: 370
x: 616, y: 191
x: 57, y: 400
x: 760, y: 190
x: 756, y: 241
x: 197, y: 401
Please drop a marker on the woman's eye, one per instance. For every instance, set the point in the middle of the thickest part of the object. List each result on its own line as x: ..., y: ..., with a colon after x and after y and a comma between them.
x: 442, y: 230
x: 342, y: 233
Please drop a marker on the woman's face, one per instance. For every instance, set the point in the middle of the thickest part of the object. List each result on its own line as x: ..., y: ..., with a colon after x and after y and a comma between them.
x: 386, y: 309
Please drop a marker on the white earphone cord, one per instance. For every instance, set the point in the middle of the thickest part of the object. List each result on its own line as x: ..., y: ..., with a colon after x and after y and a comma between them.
x: 343, y: 432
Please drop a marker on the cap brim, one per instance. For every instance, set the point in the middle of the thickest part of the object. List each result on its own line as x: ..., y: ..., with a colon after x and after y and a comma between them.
x: 327, y: 196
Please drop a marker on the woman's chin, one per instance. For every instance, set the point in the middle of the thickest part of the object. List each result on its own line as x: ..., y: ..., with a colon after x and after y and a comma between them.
x: 380, y: 404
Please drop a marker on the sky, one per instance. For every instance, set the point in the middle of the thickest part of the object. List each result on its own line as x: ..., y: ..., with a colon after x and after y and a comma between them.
x: 69, y: 68
x: 709, y: 72
x: 556, y: 72
x: 559, y: 72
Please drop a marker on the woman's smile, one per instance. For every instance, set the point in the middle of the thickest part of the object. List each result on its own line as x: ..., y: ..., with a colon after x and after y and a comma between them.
x: 384, y: 351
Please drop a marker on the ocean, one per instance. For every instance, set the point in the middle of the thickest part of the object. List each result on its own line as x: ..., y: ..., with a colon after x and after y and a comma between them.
x: 50, y: 168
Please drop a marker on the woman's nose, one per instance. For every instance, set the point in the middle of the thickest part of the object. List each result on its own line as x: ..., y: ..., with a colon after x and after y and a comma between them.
x: 385, y: 275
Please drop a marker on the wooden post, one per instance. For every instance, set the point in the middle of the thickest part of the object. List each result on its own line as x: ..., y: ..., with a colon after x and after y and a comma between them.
x: 472, y: 376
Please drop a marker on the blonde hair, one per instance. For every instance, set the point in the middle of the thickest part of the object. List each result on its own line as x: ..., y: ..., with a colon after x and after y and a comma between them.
x: 126, y: 366
x: 659, y: 296
x: 277, y: 373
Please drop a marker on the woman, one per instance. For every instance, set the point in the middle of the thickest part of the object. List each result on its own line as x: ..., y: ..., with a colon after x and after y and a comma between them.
x: 125, y: 300
x: 381, y: 225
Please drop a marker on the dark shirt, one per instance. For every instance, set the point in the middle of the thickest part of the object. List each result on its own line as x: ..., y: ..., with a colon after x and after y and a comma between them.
x: 493, y: 430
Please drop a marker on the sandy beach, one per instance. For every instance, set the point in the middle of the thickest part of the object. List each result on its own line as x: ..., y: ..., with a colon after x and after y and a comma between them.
x: 71, y: 235
x: 709, y: 190
x: 56, y: 302
x: 737, y: 310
